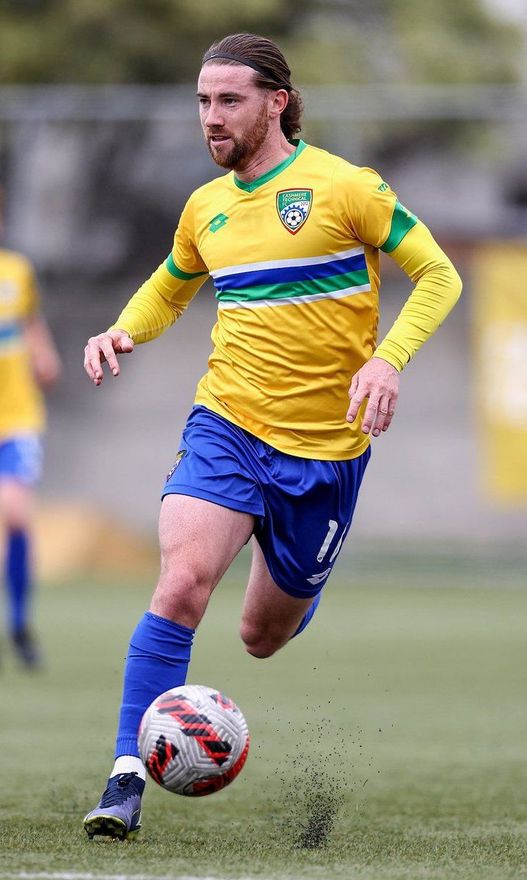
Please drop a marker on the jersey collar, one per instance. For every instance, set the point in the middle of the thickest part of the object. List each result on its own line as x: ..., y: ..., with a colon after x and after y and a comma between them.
x: 269, y: 175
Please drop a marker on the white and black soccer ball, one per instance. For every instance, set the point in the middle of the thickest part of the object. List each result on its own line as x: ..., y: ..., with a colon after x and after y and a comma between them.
x: 193, y: 740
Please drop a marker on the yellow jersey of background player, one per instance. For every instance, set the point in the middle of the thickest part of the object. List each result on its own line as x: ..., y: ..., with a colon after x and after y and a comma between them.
x: 21, y: 404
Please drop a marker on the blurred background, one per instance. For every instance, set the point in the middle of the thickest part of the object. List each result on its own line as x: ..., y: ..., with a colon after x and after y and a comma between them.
x: 99, y: 148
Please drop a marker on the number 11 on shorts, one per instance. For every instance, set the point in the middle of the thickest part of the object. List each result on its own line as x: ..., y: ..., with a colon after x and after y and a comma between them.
x: 332, y: 529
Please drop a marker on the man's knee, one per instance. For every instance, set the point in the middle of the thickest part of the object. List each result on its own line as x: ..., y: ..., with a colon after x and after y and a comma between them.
x: 182, y: 593
x: 260, y: 644
x: 15, y: 505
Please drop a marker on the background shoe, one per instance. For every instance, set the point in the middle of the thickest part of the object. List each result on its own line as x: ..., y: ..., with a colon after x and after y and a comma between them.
x: 118, y: 813
x: 26, y: 648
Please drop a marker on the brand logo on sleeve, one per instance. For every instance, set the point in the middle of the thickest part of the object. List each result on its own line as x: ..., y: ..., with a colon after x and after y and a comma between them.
x: 294, y: 206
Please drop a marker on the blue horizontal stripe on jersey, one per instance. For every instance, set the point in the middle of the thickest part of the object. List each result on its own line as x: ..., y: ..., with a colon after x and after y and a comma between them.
x: 288, y: 274
x: 9, y: 331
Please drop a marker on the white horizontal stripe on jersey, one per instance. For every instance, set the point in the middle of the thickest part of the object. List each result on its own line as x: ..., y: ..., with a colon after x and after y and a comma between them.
x: 291, y: 300
x: 285, y: 264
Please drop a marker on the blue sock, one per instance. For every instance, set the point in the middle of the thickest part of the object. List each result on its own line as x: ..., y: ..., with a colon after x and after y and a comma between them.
x: 307, y: 616
x: 158, y: 659
x: 18, y: 579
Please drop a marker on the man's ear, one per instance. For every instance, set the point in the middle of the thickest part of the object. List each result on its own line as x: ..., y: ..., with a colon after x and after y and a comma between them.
x: 278, y: 101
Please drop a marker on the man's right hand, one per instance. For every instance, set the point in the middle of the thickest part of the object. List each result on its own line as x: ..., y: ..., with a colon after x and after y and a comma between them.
x: 104, y: 347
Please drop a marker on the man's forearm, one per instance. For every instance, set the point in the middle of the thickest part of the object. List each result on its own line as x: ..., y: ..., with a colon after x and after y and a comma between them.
x: 158, y: 303
x: 437, y: 289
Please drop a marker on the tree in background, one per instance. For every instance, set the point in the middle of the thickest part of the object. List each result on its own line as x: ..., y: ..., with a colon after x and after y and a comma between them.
x: 119, y: 41
x: 403, y: 41
x: 327, y: 41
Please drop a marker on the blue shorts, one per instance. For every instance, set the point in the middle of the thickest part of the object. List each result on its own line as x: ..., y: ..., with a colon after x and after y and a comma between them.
x: 302, y: 507
x: 21, y: 459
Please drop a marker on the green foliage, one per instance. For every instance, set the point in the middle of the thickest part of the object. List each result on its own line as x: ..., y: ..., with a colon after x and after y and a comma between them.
x: 96, y: 41
x: 455, y: 42
x: 326, y: 41
x: 406, y: 41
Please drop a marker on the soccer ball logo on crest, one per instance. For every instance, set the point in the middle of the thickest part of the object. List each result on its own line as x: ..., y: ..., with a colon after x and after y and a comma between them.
x: 193, y: 740
x: 294, y: 216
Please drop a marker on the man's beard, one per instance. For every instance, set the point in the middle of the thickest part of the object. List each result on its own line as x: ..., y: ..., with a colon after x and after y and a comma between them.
x: 243, y: 149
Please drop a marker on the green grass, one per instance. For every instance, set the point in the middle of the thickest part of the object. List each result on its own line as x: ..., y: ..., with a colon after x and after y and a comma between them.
x: 401, y: 712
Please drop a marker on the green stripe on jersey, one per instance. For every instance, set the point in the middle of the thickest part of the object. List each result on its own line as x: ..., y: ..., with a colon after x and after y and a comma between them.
x: 178, y: 273
x: 296, y: 288
x: 402, y: 222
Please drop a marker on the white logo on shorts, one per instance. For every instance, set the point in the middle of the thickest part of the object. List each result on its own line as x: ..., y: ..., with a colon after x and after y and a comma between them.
x: 318, y: 578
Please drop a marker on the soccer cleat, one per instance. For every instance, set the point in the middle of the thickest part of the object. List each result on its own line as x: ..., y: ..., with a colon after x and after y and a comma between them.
x: 118, y: 813
x: 26, y: 648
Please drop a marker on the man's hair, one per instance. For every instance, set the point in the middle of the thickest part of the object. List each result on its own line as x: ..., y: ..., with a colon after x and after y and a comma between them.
x: 272, y: 71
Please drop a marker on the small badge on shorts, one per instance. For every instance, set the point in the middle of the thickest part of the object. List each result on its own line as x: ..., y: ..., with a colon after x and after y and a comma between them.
x: 179, y: 456
x: 293, y: 206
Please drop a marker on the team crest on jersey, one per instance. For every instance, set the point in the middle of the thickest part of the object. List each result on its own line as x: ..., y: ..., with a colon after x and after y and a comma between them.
x: 293, y: 206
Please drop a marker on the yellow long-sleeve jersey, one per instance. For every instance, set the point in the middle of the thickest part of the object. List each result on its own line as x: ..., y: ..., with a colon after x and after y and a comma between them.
x: 21, y: 404
x: 294, y: 257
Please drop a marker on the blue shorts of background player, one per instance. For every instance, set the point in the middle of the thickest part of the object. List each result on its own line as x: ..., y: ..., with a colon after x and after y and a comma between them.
x: 21, y: 459
x: 302, y: 507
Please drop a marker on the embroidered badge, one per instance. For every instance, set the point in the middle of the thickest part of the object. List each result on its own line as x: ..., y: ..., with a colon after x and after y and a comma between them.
x: 293, y: 206
x: 177, y: 461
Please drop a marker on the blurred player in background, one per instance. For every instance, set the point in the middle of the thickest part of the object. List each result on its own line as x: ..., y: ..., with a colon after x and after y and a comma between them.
x: 273, y: 447
x: 28, y: 362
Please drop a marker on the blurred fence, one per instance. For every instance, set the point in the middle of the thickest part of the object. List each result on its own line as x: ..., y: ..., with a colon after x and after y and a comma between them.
x: 349, y: 103
x: 113, y: 165
x: 96, y: 178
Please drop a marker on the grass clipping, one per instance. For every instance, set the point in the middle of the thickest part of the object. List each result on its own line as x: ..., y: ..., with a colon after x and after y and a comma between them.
x: 321, y: 800
x: 321, y: 784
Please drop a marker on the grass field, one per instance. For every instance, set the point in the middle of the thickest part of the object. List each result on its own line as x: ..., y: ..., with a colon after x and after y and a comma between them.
x: 388, y: 741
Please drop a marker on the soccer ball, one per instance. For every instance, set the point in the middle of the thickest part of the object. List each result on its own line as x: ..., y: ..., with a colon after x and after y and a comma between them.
x: 193, y: 740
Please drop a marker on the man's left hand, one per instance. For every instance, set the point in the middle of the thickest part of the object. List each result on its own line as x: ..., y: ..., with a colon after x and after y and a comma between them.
x: 379, y: 382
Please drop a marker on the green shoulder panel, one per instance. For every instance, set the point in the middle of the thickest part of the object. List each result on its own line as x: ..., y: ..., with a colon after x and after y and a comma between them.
x: 402, y: 222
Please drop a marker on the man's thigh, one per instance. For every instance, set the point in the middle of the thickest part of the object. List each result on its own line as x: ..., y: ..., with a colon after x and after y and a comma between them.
x: 198, y: 541
x: 16, y: 503
x: 201, y: 533
x: 269, y: 614
x: 210, y: 499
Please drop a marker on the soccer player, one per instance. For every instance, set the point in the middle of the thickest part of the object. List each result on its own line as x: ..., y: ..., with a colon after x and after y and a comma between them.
x: 273, y: 448
x: 28, y: 361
